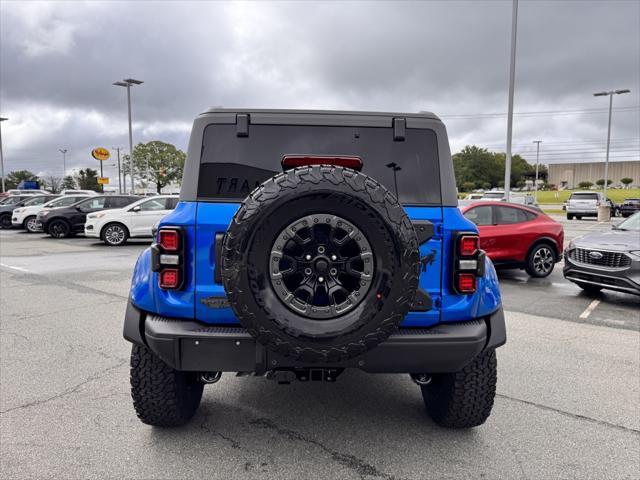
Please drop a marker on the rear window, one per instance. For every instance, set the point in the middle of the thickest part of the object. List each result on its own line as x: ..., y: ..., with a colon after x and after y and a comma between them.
x: 584, y: 196
x: 233, y: 166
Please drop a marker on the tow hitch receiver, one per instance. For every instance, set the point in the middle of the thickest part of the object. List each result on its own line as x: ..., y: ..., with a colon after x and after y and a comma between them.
x: 284, y: 377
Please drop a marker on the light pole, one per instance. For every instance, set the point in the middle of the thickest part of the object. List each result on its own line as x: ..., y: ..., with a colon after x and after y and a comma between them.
x: 2, y: 119
x: 535, y: 183
x: 610, y: 93
x: 117, y: 149
x: 512, y: 79
x: 64, y: 151
x: 128, y: 82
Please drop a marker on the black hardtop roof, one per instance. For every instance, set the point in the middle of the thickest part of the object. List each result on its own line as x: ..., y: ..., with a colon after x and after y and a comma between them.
x: 428, y: 115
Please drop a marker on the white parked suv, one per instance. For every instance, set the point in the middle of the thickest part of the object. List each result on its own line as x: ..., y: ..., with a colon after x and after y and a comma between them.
x: 115, y: 227
x: 26, y: 217
x: 584, y: 204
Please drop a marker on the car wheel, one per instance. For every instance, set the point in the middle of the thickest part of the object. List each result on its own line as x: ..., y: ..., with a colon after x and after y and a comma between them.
x: 59, y: 229
x: 463, y: 399
x: 569, y: 216
x: 162, y: 396
x: 30, y: 224
x: 589, y: 288
x: 540, y: 261
x: 115, y: 234
x: 578, y: 217
x: 320, y: 264
x: 5, y: 222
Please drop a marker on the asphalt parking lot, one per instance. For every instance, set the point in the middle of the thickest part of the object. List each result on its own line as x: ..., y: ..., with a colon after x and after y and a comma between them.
x: 568, y: 402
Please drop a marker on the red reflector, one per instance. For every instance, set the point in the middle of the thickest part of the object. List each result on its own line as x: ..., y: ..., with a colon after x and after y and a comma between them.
x: 169, y: 240
x: 293, y: 161
x: 466, y: 283
x: 169, y: 278
x: 468, y: 245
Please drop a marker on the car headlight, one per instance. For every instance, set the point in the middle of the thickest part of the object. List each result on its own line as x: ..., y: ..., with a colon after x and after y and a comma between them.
x: 571, y: 245
x: 635, y: 253
x: 44, y: 213
x: 18, y: 210
x: 94, y: 216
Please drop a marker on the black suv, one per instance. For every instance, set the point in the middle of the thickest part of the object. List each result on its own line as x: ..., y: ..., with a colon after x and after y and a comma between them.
x: 66, y: 221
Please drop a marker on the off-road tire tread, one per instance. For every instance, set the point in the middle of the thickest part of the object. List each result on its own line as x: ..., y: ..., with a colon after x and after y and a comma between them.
x: 463, y: 399
x: 162, y: 396
x: 351, y: 182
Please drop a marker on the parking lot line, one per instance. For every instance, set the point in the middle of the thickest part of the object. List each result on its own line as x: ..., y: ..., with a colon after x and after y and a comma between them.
x: 19, y: 269
x: 587, y: 311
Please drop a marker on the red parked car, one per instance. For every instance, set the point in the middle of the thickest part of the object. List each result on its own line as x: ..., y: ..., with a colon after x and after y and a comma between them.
x: 517, y: 236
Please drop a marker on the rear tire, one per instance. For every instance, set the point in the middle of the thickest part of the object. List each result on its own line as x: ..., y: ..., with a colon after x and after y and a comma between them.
x: 463, y: 399
x: 5, y: 221
x: 59, y: 229
x: 540, y: 261
x: 162, y: 396
x: 588, y: 288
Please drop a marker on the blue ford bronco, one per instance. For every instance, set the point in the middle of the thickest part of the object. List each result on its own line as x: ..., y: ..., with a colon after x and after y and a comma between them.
x: 308, y: 242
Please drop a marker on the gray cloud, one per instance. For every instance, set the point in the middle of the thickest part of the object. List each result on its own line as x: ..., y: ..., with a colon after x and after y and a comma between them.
x: 58, y: 60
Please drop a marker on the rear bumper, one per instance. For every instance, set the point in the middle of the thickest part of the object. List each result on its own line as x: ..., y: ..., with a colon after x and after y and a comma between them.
x: 193, y: 346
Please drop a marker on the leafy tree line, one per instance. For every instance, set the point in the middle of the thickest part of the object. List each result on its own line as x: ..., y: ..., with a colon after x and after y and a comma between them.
x: 477, y: 167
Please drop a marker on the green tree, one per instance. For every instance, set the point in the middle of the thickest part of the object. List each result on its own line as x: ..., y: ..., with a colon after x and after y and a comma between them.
x: 87, y: 179
x: 486, y: 185
x: 468, y: 186
x: 68, y: 183
x: 626, y: 181
x: 600, y: 182
x: 156, y: 162
x: 477, y: 165
x: 14, y: 178
x: 53, y: 184
x: 586, y: 185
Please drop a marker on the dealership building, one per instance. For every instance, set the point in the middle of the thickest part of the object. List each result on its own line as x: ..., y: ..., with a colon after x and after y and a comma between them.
x: 569, y: 175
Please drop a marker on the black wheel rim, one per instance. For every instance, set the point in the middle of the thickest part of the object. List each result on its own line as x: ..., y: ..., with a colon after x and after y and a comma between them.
x: 5, y: 222
x: 58, y: 229
x: 321, y: 266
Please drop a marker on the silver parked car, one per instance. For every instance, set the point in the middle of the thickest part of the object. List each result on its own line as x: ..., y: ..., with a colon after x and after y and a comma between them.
x: 609, y: 260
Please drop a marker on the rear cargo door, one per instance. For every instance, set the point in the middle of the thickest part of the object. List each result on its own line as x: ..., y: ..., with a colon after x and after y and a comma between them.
x: 236, y: 158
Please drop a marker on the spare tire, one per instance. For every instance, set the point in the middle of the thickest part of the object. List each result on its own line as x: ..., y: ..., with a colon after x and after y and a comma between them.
x: 320, y: 263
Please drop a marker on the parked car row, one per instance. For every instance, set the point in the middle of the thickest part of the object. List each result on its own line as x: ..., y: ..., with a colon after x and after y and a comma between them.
x: 518, y: 236
x: 111, y: 218
x: 585, y: 204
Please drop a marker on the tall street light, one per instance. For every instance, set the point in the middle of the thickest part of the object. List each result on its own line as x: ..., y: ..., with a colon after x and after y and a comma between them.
x: 512, y: 79
x: 117, y: 149
x: 2, y: 119
x: 610, y: 93
x: 535, y: 183
x: 64, y: 151
x: 127, y: 83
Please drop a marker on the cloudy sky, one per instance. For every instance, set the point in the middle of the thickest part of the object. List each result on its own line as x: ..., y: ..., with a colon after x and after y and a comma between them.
x: 58, y: 61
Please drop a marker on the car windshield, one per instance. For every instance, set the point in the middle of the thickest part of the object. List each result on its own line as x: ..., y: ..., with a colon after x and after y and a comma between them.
x: 631, y: 224
x: 584, y: 196
x: 11, y: 200
x: 34, y: 201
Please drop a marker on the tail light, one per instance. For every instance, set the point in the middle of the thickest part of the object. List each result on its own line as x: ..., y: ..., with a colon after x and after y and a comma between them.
x: 167, y: 258
x: 468, y: 263
x: 169, y: 240
x: 347, y: 161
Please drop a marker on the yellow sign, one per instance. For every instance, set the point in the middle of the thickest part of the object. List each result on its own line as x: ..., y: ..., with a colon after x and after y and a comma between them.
x: 103, y: 180
x: 100, y: 154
